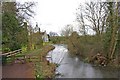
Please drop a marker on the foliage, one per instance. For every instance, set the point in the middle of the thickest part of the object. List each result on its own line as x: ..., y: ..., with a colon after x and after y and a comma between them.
x: 46, y: 43
x: 36, y: 40
x: 24, y: 49
x: 74, y: 45
x: 111, y: 35
x: 43, y: 68
x: 14, y: 31
x: 84, y: 46
x: 6, y: 50
x: 10, y: 28
x: 58, y: 40
x: 104, y: 19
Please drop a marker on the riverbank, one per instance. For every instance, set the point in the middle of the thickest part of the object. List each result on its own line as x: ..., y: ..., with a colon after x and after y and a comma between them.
x: 73, y: 67
x: 34, y: 66
x: 92, y: 50
x: 43, y: 68
x: 99, y: 60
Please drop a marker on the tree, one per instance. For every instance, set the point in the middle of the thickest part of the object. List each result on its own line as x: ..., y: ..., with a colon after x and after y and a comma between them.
x: 25, y: 11
x: 68, y: 29
x: 74, y: 44
x: 118, y: 40
x: 113, y: 28
x: 81, y: 20
x: 12, y: 27
x: 95, y: 14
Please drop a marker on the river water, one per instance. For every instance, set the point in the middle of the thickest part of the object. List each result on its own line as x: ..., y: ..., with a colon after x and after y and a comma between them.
x: 73, y: 67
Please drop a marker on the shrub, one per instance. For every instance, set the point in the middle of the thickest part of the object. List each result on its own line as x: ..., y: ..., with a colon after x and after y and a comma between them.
x: 84, y: 46
x: 5, y: 50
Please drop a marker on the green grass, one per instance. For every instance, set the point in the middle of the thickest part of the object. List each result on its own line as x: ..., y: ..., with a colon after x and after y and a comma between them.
x: 35, y: 51
x: 47, y: 43
x: 42, y: 69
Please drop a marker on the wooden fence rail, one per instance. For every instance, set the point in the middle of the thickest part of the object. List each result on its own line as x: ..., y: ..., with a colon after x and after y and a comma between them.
x: 17, y: 55
x: 11, y: 55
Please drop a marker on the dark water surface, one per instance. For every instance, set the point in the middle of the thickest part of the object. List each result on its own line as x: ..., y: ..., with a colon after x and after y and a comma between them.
x: 73, y: 67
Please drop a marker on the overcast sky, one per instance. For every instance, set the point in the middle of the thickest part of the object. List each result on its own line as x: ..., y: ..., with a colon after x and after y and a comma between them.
x: 53, y: 15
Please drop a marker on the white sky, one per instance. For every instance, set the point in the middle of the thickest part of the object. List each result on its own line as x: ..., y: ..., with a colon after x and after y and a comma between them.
x: 53, y: 15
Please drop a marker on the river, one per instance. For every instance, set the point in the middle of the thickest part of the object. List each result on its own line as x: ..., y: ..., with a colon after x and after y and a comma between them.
x: 73, y: 67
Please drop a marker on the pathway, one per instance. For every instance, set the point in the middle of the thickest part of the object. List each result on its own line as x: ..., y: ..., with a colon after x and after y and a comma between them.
x: 25, y: 70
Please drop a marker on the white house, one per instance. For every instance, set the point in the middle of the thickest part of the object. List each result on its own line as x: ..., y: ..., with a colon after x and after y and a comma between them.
x: 45, y: 37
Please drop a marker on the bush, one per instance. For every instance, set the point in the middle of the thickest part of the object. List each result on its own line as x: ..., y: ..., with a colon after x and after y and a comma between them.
x: 84, y: 46
x: 5, y: 50
x: 24, y: 49
x: 58, y: 40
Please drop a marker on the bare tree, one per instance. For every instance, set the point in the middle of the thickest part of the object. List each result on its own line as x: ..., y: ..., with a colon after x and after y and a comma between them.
x: 94, y: 13
x: 25, y: 11
x: 81, y: 20
x: 68, y: 29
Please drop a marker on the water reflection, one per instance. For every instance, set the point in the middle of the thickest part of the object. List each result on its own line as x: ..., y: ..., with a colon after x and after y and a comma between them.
x: 73, y: 67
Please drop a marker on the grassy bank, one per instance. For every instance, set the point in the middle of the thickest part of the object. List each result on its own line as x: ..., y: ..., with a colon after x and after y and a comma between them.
x: 88, y: 48
x: 43, y: 68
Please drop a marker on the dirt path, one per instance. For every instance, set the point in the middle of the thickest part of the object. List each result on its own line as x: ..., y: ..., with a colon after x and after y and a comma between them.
x: 25, y: 70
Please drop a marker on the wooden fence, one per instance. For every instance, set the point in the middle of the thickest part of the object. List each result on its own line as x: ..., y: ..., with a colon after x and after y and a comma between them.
x: 11, y: 55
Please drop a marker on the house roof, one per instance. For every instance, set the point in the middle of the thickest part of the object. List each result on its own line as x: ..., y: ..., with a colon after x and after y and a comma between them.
x: 42, y: 33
